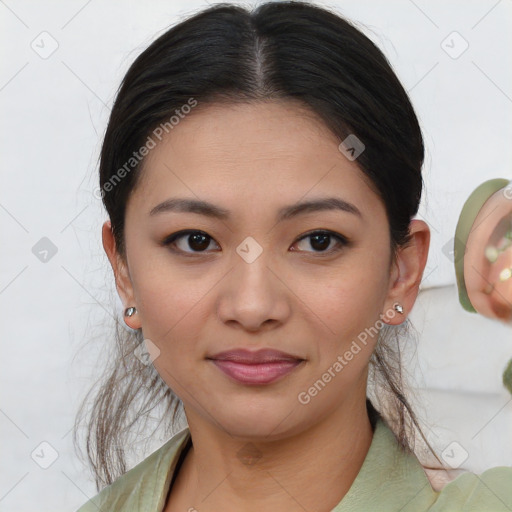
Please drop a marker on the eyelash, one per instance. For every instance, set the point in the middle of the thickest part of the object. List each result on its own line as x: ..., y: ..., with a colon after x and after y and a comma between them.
x: 171, y: 239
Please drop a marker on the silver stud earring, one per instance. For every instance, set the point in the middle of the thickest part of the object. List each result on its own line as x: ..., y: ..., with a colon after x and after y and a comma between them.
x: 130, y: 311
x: 398, y: 308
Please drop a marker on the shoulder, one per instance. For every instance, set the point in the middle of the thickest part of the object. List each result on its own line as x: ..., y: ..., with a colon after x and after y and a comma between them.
x: 392, y: 478
x: 144, y: 486
x: 488, y: 491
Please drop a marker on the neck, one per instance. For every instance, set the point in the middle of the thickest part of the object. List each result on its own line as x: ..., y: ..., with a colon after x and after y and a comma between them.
x: 319, y: 464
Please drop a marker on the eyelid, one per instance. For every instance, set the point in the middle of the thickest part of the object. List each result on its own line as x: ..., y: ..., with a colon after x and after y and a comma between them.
x: 171, y: 239
x: 320, y: 231
x: 342, y: 241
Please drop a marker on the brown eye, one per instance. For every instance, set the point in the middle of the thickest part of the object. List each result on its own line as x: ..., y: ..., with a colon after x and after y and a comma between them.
x: 320, y: 241
x: 189, y: 241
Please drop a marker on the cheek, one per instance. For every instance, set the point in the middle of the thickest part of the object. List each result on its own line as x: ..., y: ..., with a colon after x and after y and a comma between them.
x: 348, y: 311
x: 173, y: 304
x: 350, y: 299
x: 174, y: 315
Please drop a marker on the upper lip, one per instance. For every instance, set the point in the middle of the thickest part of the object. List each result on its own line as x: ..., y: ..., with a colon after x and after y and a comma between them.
x: 265, y: 355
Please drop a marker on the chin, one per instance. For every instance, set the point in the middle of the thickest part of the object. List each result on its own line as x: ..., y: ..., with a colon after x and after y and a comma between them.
x: 265, y: 424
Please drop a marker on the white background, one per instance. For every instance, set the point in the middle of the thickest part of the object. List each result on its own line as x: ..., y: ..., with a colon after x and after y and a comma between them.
x: 54, y: 112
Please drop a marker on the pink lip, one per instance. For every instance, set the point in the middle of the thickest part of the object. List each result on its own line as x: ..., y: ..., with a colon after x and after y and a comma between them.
x: 260, y: 367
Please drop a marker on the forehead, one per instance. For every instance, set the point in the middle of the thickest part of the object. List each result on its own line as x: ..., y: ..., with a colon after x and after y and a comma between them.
x: 269, y: 151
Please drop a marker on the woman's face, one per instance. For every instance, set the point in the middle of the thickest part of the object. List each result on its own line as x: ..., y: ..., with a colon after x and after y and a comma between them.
x: 255, y: 279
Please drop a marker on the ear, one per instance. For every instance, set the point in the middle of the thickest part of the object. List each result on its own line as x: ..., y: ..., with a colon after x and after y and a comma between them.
x: 121, y: 274
x: 406, y: 274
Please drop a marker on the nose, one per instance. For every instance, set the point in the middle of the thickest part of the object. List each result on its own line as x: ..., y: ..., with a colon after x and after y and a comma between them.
x: 254, y: 295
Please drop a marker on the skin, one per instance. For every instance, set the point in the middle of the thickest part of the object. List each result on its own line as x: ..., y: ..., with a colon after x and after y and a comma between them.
x: 254, y: 159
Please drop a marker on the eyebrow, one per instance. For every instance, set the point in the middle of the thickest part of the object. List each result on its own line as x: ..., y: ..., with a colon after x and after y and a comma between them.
x: 210, y: 210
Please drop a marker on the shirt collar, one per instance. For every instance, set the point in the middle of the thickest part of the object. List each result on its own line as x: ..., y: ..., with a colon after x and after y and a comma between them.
x: 390, y: 476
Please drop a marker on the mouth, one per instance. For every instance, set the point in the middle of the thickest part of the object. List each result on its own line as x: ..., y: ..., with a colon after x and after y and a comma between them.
x: 255, y: 368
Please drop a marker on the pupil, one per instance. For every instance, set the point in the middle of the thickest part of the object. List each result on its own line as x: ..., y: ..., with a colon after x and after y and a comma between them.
x: 197, y: 243
x: 325, y: 239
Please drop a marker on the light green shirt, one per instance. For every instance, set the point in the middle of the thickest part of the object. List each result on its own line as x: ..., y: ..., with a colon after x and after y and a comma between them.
x: 389, y: 480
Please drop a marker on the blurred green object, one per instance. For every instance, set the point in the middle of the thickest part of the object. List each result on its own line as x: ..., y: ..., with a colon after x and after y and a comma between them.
x: 467, y: 217
x: 507, y: 377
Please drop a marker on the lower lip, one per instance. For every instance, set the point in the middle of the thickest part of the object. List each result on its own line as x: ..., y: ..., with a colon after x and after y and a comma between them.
x: 263, y: 373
